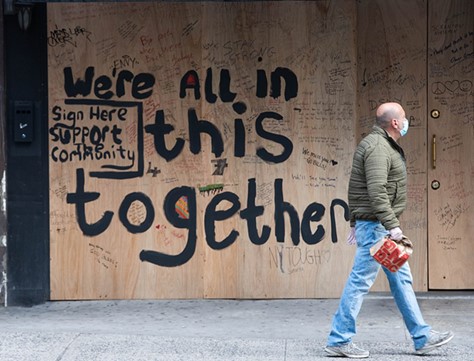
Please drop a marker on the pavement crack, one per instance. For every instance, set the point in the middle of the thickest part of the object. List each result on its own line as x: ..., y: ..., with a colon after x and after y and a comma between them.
x: 60, y: 357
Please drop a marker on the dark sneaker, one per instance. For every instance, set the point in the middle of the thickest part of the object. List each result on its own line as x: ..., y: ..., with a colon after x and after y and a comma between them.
x: 348, y: 350
x: 435, y: 339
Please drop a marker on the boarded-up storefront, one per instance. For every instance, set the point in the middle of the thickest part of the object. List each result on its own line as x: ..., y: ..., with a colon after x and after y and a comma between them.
x: 204, y: 149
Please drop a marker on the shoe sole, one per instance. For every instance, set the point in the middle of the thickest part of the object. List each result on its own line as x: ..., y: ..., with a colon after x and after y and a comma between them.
x: 434, y: 347
x: 332, y: 353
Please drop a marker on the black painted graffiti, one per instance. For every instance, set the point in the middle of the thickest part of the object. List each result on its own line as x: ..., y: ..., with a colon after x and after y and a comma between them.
x: 140, y: 85
x: 197, y: 127
x: 96, y: 135
x: 69, y: 132
x: 104, y: 122
x: 190, y: 80
x: 221, y: 165
x: 88, y: 140
x: 313, y: 213
x: 153, y: 171
x: 65, y: 130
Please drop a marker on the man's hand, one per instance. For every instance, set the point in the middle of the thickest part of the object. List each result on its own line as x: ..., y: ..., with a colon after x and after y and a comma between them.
x: 396, y: 233
x: 351, y: 237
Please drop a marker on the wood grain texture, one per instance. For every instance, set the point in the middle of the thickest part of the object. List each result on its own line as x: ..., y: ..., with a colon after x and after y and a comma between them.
x: 451, y: 93
x: 278, y: 159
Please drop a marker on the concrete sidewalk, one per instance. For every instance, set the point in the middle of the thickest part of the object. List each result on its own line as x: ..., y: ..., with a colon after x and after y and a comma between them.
x: 208, y: 330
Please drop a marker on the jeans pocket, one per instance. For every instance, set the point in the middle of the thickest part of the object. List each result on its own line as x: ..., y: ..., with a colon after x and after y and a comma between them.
x: 369, y: 232
x: 379, y: 232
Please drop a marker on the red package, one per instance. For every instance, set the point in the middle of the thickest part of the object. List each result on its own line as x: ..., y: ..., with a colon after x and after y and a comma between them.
x: 392, y: 254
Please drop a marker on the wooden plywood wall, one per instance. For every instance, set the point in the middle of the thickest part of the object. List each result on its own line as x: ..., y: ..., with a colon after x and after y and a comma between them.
x: 204, y: 150
x: 200, y: 151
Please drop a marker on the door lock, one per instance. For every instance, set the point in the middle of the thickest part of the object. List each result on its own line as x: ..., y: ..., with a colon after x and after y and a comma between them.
x: 435, y: 114
x: 435, y: 185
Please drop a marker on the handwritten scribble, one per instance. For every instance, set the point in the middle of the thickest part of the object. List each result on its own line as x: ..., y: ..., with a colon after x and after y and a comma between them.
x: 189, y: 28
x: 65, y: 36
x: 153, y: 171
x: 451, y: 86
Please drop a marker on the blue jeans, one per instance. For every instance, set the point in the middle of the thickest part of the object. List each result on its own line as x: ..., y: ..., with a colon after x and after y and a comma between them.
x: 362, y: 277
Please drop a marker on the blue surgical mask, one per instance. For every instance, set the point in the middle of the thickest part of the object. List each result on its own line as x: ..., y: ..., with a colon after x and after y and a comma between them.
x: 404, y: 130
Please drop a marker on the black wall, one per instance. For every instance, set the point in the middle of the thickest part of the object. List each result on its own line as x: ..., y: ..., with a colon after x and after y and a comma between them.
x: 27, y: 160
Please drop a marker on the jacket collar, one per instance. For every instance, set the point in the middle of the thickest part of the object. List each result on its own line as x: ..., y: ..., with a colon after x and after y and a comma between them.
x: 393, y: 143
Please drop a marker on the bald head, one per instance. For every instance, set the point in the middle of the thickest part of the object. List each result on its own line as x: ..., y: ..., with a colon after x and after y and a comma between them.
x: 386, y: 112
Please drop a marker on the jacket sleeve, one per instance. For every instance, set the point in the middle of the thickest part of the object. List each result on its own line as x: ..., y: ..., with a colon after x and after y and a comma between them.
x: 377, y: 166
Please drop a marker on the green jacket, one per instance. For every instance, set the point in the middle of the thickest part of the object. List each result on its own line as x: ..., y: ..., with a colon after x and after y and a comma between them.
x: 378, y: 183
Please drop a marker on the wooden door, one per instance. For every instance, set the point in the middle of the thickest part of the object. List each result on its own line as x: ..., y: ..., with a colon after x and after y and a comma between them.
x: 451, y: 141
x: 391, y: 46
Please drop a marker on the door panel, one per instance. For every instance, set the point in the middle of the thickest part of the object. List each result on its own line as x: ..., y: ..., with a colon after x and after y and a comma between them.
x: 451, y: 134
x: 392, y: 67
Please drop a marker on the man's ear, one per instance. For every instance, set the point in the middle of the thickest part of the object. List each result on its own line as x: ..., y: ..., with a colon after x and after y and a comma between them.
x: 394, y: 123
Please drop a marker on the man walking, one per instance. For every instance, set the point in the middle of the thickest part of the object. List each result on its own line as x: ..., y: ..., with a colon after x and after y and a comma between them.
x: 377, y: 197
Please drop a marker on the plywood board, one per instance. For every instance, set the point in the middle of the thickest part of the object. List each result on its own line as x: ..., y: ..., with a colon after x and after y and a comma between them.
x: 392, y: 67
x: 451, y: 125
x: 204, y: 149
